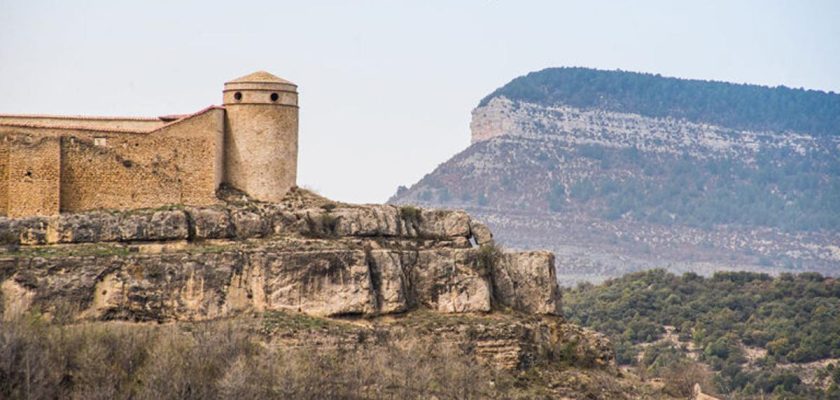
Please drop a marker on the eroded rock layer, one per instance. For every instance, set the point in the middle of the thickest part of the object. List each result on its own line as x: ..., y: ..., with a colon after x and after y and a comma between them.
x: 305, y: 254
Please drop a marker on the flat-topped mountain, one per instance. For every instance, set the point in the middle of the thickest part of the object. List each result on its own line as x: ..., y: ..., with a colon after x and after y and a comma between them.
x: 617, y: 171
x: 737, y: 106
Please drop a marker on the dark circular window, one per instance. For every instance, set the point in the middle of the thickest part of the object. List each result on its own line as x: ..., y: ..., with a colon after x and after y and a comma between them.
x: 274, y: 97
x: 237, y: 96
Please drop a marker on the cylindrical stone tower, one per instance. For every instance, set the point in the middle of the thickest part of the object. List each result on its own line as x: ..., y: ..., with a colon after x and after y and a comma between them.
x: 261, y: 135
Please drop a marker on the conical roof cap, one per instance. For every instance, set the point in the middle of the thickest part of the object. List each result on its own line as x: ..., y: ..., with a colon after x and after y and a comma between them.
x: 260, y: 77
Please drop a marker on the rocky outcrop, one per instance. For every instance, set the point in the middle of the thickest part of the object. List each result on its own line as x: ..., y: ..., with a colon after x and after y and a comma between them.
x: 575, y: 126
x: 514, y: 343
x: 319, y: 258
x: 210, y: 282
x: 238, y: 222
x: 302, y: 275
x: 524, y: 281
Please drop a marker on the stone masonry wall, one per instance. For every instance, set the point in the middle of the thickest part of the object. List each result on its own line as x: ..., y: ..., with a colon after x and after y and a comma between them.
x: 194, y: 146
x: 179, y: 163
x: 33, y: 177
x: 98, y: 178
x: 262, y: 147
x: 4, y: 176
x: 188, y: 152
x: 103, y: 123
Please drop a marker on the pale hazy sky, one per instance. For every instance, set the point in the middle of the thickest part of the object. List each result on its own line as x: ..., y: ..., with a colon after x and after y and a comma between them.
x: 386, y: 87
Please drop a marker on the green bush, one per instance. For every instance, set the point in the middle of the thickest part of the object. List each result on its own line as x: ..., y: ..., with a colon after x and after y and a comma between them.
x: 321, y: 225
x: 489, y: 256
x: 9, y: 237
x: 794, y: 317
x: 411, y: 215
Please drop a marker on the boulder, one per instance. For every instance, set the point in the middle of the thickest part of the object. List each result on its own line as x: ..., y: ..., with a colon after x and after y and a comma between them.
x: 368, y: 221
x: 31, y: 231
x: 444, y: 224
x: 390, y: 274
x: 249, y: 223
x: 527, y: 282
x: 448, y: 280
x: 481, y: 234
x: 163, y: 225
x: 320, y: 283
x: 210, y: 223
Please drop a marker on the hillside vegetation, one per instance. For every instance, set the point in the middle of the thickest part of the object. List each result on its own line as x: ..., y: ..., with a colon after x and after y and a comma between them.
x: 287, y: 355
x: 750, y: 328
x: 617, y: 172
x: 739, y: 106
x: 777, y: 189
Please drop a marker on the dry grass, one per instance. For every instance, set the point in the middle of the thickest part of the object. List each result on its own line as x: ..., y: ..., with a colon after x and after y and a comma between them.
x: 249, y: 357
x: 42, y: 360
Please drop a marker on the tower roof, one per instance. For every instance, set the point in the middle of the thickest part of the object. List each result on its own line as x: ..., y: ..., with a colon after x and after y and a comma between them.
x: 260, y: 77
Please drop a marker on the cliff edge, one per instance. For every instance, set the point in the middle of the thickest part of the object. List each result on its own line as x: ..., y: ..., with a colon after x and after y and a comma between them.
x: 279, y: 297
x: 306, y: 254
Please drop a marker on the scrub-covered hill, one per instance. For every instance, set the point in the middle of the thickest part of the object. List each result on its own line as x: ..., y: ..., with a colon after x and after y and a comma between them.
x: 619, y: 171
x: 758, y: 336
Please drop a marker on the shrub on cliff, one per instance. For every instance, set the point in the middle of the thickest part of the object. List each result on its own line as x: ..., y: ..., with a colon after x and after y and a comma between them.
x: 411, y: 215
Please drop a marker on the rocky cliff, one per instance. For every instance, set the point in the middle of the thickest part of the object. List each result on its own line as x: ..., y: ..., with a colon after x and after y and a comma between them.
x: 308, y: 255
x: 617, y: 171
x: 306, y: 276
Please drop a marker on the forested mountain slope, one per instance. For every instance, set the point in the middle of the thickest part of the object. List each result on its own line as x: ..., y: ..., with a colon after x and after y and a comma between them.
x: 738, y: 106
x: 619, y: 171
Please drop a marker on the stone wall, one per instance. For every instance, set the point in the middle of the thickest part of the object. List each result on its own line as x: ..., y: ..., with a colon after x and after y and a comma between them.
x: 195, y: 147
x: 98, y: 178
x: 4, y: 175
x: 186, y: 156
x: 179, y: 163
x: 97, y: 123
x: 34, y: 170
x: 261, y: 149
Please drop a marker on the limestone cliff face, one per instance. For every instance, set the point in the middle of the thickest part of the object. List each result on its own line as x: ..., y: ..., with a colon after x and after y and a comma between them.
x: 306, y: 254
x: 572, y: 125
x: 300, y: 273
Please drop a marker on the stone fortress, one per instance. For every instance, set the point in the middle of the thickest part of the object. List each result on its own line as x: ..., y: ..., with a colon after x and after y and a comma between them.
x: 54, y: 164
x: 294, y: 269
